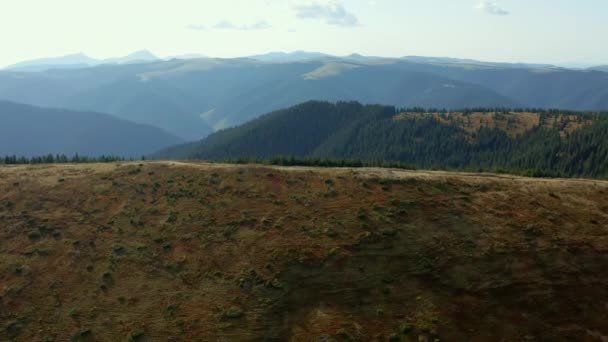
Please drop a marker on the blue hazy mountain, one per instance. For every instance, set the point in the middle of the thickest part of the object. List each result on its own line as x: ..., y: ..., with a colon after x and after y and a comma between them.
x: 472, y: 62
x: 288, y: 56
x: 600, y: 68
x: 79, y: 60
x: 141, y: 56
x: 32, y: 131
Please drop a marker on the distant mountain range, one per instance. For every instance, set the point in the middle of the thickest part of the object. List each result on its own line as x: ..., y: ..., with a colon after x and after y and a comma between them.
x: 192, y: 98
x: 34, y: 131
x: 558, y: 143
x: 289, y: 56
x: 472, y: 62
x: 600, y: 68
x: 79, y: 60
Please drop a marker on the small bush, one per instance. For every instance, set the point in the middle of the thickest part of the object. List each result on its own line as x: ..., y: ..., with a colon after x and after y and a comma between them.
x: 82, y: 334
x: 406, y: 328
x: 533, y: 232
x: 276, y: 284
x: 107, y: 276
x: 73, y: 312
x: 234, y: 312
x: 170, y: 310
x: 394, y: 338
x: 331, y: 232
x: 135, y: 335
x: 333, y: 252
x: 172, y: 217
x: 34, y: 236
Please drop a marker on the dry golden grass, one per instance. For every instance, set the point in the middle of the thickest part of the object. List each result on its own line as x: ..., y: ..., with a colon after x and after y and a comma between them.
x: 212, y: 252
x: 512, y: 123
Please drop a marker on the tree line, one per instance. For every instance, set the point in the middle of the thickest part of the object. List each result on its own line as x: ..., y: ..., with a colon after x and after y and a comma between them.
x: 58, y: 159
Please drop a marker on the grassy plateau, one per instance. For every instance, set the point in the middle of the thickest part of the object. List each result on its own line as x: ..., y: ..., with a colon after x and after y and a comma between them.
x: 180, y: 251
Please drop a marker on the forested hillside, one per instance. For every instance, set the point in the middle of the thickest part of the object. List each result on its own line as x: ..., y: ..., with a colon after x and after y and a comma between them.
x: 535, y: 141
x: 32, y: 131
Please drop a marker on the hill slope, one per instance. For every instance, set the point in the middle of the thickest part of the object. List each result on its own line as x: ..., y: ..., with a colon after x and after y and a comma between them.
x: 552, y: 142
x: 28, y: 131
x: 191, y: 98
x: 217, y: 252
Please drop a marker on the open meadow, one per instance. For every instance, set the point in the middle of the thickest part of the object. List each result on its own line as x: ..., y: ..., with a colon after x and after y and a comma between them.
x: 180, y: 251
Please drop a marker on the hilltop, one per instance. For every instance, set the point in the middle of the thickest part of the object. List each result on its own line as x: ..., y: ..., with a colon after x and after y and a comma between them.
x: 148, y: 251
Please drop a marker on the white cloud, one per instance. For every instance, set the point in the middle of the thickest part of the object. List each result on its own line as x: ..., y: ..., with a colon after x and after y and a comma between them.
x: 228, y: 25
x: 259, y: 25
x: 333, y: 12
x: 197, y: 27
x: 224, y: 25
x: 491, y: 7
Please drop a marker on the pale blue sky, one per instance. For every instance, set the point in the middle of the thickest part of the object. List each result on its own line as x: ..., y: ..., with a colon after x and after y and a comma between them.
x: 547, y: 31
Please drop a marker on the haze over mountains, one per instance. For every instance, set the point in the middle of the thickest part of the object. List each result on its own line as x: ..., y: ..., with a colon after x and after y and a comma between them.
x: 193, y: 97
x: 600, y: 68
x: 33, y: 131
x: 79, y: 60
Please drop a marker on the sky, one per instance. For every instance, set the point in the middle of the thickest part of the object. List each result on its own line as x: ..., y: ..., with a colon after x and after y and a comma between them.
x: 533, y: 31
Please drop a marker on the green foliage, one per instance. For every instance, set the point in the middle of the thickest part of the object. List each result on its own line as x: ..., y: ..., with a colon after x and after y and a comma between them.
x: 234, y: 312
x: 74, y: 312
x: 135, y: 335
x: 406, y: 328
x: 361, y: 214
x: 172, y: 217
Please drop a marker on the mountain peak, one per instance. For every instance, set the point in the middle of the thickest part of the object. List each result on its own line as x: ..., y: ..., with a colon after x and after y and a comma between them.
x: 142, y: 55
